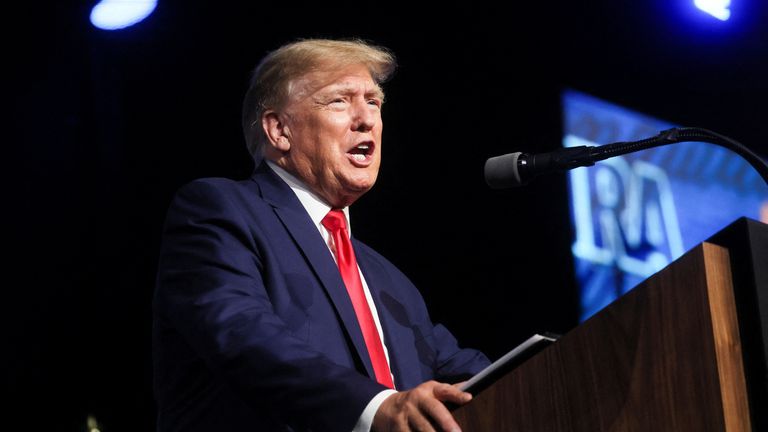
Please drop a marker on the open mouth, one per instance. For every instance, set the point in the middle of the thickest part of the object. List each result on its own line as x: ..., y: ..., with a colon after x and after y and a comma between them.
x: 361, y: 152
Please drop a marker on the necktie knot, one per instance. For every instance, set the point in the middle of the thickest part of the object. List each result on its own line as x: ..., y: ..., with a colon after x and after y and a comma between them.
x: 335, y: 221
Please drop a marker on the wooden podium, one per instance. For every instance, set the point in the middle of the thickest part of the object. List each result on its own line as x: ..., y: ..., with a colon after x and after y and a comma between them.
x: 683, y: 351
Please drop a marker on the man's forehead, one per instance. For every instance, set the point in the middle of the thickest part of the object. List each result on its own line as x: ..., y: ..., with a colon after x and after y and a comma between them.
x: 335, y: 80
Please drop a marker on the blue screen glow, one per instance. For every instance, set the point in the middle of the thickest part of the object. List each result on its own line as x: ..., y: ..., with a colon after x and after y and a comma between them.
x: 634, y: 214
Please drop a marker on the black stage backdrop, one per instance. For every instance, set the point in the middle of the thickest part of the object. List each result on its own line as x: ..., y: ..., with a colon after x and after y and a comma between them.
x: 105, y: 126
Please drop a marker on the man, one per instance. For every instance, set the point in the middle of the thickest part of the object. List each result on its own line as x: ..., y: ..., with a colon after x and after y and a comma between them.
x: 267, y: 316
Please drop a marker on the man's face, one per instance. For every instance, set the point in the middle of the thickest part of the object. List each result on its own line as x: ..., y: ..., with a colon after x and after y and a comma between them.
x: 332, y: 126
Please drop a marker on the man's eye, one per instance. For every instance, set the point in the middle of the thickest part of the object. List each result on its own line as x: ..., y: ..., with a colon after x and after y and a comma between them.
x: 338, y: 101
x: 375, y: 102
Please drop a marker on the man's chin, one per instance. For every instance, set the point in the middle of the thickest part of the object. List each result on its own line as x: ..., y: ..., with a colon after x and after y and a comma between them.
x: 359, y: 183
x: 351, y: 193
x: 361, y: 187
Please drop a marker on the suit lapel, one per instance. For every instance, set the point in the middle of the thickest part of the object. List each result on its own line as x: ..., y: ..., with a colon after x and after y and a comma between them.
x: 294, y: 217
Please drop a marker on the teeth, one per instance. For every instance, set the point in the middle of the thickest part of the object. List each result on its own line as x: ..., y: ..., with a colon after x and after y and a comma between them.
x: 363, y: 147
x: 359, y: 157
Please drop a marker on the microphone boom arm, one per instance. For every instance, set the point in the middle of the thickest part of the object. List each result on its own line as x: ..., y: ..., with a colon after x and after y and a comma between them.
x: 516, y: 169
x: 671, y: 136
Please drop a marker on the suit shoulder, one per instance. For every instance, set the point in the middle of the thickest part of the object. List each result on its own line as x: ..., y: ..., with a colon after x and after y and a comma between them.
x: 216, y: 197
x: 211, y: 184
x: 218, y: 189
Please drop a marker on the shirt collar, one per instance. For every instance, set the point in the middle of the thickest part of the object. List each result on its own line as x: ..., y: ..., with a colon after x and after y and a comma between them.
x: 313, y: 204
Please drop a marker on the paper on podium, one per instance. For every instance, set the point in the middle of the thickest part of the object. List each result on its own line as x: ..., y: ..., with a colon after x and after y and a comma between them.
x: 506, y: 363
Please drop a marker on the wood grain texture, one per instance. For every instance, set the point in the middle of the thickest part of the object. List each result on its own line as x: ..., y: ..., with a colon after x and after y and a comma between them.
x: 727, y: 342
x: 654, y: 360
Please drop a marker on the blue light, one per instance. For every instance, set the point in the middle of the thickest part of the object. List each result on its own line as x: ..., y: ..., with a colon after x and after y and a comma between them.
x: 716, y: 8
x: 119, y: 14
x: 634, y: 214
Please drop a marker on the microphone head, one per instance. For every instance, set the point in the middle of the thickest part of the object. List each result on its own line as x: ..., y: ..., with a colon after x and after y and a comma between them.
x: 501, y: 171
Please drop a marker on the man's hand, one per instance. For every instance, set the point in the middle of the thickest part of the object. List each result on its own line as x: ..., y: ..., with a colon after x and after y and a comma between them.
x: 420, y: 409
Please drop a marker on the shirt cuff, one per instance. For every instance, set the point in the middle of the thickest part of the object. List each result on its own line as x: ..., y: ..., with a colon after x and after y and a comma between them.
x: 365, y: 421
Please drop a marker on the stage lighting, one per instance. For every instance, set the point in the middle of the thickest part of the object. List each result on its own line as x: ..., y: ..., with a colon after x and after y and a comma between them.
x: 717, y: 8
x: 119, y: 14
x: 91, y: 424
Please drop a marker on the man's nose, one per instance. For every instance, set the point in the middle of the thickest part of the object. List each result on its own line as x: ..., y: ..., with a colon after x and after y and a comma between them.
x: 365, y: 116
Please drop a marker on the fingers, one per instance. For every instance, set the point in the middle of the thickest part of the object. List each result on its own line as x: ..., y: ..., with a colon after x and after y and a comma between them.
x: 451, y: 393
x: 433, y: 409
x: 420, y: 409
x: 419, y: 423
x: 459, y: 384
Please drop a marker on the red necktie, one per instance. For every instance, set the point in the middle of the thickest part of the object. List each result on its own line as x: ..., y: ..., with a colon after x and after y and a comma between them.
x: 336, y: 223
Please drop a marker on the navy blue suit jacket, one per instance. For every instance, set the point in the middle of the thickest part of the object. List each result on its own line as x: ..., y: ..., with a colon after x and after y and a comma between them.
x: 253, y: 328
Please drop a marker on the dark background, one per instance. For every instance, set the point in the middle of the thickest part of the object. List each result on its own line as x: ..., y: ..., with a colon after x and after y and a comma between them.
x: 105, y: 126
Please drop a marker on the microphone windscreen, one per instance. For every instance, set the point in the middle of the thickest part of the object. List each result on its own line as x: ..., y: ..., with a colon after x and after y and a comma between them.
x: 501, y: 171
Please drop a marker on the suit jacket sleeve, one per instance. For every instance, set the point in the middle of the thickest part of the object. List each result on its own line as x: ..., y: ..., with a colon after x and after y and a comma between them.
x: 210, y: 288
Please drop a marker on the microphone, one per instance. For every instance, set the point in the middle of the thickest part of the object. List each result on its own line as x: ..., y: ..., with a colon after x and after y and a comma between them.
x: 516, y: 169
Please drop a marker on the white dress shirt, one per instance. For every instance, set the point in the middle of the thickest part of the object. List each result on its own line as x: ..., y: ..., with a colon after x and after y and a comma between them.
x: 317, y: 209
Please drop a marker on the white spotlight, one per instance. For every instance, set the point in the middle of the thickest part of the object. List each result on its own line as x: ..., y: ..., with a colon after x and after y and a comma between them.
x: 716, y: 8
x: 119, y: 14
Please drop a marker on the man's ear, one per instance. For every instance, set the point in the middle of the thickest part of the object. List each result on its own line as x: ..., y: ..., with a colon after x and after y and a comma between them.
x: 276, y: 130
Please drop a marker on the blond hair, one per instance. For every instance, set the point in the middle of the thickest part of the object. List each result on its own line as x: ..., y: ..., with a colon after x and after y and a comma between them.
x: 271, y: 80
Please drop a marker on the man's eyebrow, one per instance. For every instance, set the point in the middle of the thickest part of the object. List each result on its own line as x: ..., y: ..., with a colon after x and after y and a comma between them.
x: 376, y: 92
x: 351, y: 89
